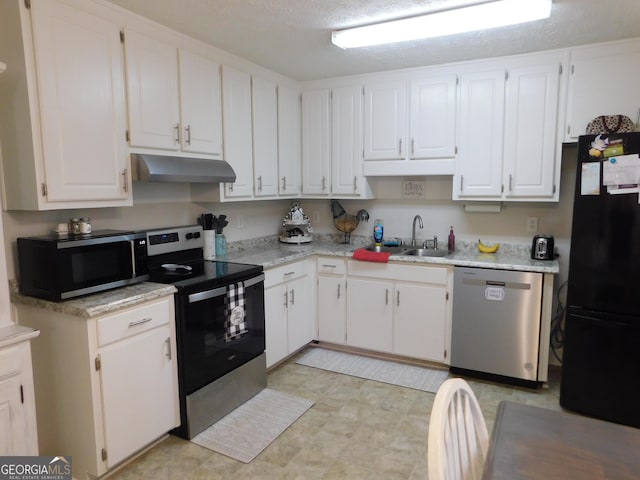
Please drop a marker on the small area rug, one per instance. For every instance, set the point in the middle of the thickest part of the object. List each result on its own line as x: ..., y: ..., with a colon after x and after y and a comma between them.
x: 385, y: 371
x: 250, y: 428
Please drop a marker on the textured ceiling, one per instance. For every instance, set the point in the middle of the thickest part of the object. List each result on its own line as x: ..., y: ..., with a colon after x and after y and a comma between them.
x: 292, y: 37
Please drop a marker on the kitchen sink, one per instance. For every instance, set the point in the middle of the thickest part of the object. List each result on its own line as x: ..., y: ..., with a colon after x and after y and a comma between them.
x: 383, y: 248
x: 426, y: 252
x: 403, y: 250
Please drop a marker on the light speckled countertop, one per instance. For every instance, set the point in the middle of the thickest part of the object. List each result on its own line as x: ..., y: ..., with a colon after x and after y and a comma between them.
x: 99, y: 303
x: 268, y: 252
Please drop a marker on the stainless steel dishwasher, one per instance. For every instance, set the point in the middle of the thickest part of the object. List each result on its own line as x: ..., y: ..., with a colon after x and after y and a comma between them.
x: 496, y: 324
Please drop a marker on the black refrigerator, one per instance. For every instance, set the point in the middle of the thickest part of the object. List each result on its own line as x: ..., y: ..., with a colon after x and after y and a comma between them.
x: 601, y: 356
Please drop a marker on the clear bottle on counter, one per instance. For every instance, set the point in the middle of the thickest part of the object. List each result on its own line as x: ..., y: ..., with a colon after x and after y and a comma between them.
x: 378, y: 231
x: 451, y: 241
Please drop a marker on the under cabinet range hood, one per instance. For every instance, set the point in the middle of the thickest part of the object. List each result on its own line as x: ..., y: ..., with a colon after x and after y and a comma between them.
x: 164, y: 168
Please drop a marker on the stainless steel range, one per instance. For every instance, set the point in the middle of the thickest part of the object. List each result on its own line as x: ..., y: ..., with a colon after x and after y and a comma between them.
x: 219, y: 326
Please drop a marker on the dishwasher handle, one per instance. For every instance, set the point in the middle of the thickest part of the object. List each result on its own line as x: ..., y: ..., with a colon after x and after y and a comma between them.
x: 495, y: 283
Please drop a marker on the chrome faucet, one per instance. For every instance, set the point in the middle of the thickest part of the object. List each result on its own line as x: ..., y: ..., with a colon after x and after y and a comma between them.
x: 413, y: 230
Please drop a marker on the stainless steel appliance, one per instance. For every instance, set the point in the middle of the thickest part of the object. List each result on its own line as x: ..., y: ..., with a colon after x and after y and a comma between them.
x: 496, y: 324
x: 542, y: 247
x: 219, y: 326
x: 62, y: 266
x: 601, y: 354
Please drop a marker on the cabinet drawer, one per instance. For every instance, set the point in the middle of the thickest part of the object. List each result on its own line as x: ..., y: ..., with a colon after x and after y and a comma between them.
x: 121, y: 325
x: 393, y: 271
x: 336, y: 266
x: 10, y: 361
x: 285, y: 273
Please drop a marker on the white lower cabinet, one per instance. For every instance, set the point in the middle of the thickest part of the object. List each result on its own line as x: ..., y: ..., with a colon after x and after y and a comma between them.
x: 106, y: 387
x: 17, y: 403
x: 399, y: 309
x: 289, y: 321
x: 332, y: 300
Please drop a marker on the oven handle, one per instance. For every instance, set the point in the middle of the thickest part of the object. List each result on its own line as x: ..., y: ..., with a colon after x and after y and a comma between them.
x: 218, y: 292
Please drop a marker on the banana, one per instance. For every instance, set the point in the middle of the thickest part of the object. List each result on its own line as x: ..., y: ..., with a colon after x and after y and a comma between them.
x: 488, y: 248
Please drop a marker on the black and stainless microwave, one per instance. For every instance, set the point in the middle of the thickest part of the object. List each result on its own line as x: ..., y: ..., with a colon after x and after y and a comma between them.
x: 59, y: 267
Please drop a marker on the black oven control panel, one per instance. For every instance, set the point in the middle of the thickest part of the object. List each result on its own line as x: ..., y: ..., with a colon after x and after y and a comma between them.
x: 174, y: 239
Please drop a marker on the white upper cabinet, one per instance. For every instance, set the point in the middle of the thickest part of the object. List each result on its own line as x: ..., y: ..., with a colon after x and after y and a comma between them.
x: 385, y: 120
x: 173, y: 97
x: 346, y: 140
x: 603, y: 81
x: 152, y: 81
x: 530, y: 130
x: 236, y: 114
x: 479, y: 165
x: 433, y: 117
x: 316, y: 150
x: 63, y: 124
x: 508, y: 131
x: 410, y: 124
x: 265, y: 137
x: 289, y: 141
x: 200, y: 104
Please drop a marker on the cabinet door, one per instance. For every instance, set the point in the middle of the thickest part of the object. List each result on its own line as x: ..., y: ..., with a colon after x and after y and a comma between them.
x: 138, y: 391
x: 315, y: 142
x: 346, y: 140
x: 275, y: 312
x: 236, y: 117
x: 332, y: 309
x: 299, y: 317
x: 12, y: 422
x: 265, y: 137
x: 200, y: 104
x: 369, y: 314
x: 152, y: 87
x: 419, y: 321
x: 530, y: 130
x: 481, y: 110
x: 385, y: 120
x: 82, y: 105
x: 603, y: 81
x: 289, y: 142
x: 433, y: 117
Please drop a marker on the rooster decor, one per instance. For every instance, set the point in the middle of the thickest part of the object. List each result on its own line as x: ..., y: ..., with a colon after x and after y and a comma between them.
x: 344, y: 222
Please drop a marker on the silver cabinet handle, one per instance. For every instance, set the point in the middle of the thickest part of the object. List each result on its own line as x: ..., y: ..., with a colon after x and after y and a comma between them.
x: 355, y: 184
x: 510, y: 177
x: 293, y: 297
x: 125, y: 184
x: 400, y: 146
x: 339, y: 290
x: 188, y: 134
x: 284, y: 183
x: 398, y: 298
x: 286, y: 298
x: 168, y: 342
x: 386, y: 299
x: 260, y: 183
x: 324, y: 183
x: 140, y: 322
x: 176, y: 128
x: 461, y: 182
x: 326, y: 265
x: 412, y: 147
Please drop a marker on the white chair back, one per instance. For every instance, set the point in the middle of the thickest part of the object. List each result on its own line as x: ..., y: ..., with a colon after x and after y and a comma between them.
x: 458, y: 438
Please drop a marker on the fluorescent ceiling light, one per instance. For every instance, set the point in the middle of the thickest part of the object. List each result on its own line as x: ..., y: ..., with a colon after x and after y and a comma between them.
x: 447, y: 22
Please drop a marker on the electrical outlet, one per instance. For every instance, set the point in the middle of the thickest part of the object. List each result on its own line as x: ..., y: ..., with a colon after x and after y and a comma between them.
x: 240, y: 221
x: 532, y: 224
x: 316, y: 216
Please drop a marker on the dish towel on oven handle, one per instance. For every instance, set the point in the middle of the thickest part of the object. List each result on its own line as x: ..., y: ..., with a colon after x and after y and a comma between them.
x: 234, y: 323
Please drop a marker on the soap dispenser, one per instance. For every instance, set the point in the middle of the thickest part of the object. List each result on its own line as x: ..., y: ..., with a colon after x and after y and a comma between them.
x: 451, y: 243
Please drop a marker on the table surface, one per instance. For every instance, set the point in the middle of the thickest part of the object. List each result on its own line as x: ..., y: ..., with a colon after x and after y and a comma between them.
x: 535, y: 443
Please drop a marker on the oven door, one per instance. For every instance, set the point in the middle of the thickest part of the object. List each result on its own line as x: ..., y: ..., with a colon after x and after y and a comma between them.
x: 219, y: 330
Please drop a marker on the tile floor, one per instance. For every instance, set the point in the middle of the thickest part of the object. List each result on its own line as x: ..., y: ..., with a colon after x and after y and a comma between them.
x: 357, y: 429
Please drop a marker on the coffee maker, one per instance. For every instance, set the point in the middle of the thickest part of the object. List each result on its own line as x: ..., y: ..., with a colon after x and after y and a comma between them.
x: 296, y: 227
